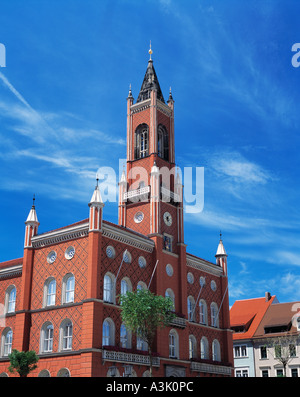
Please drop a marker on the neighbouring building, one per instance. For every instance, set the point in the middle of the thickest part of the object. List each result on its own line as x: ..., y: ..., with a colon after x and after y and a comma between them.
x: 277, y: 340
x: 245, y: 317
x: 266, y: 333
x: 61, y: 298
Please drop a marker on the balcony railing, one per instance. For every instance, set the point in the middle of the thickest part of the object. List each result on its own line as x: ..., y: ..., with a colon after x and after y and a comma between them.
x: 132, y: 358
x: 167, y: 195
x: 210, y: 368
x: 137, y: 194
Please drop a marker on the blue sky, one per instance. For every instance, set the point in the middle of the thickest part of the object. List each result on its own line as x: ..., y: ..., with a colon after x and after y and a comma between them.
x: 63, y: 94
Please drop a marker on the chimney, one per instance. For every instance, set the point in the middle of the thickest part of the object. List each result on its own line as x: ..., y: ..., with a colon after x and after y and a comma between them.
x: 267, y: 296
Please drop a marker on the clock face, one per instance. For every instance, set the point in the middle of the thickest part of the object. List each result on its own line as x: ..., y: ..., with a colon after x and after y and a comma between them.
x: 138, y: 217
x: 168, y: 218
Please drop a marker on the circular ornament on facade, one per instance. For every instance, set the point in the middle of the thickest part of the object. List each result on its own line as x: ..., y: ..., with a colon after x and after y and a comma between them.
x: 213, y: 285
x: 138, y: 217
x: 142, y: 262
x: 51, y: 257
x: 110, y: 251
x: 70, y: 252
x: 190, y: 278
x: 169, y: 270
x: 168, y: 218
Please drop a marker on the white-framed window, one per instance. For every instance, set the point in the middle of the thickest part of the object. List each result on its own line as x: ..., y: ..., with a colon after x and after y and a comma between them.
x: 10, y: 299
x: 125, y: 337
x: 204, y: 348
x: 216, y: 351
x: 141, y: 141
x: 141, y: 344
x: 265, y: 373
x: 49, y: 292
x: 66, y: 335
x: 202, y: 312
x: 192, y: 347
x: 263, y: 352
x: 170, y: 294
x: 141, y: 285
x: 191, y: 308
x: 125, y: 286
x: 240, y: 351
x: 47, y: 337
x: 241, y: 372
x: 173, y: 344
x: 6, y: 342
x: 68, y: 288
x: 108, y: 333
x: 109, y: 288
x: 214, y: 315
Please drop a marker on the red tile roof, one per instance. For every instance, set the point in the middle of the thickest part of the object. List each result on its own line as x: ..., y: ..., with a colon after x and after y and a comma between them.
x: 248, y: 313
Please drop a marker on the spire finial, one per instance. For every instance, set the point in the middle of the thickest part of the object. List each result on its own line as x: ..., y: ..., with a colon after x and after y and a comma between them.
x: 220, y: 235
x: 33, y: 200
x: 150, y: 51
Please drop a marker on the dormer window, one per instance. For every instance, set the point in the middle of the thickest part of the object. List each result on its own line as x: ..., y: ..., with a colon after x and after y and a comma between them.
x: 141, y: 141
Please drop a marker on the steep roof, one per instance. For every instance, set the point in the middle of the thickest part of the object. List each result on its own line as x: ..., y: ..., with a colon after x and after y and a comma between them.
x: 279, y: 316
x: 247, y: 315
x: 150, y: 83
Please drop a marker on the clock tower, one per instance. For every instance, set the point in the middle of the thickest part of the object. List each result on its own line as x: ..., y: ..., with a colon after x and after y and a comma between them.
x: 150, y: 192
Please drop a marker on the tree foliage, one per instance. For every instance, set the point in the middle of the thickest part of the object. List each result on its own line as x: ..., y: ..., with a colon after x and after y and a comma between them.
x: 144, y: 312
x: 22, y: 362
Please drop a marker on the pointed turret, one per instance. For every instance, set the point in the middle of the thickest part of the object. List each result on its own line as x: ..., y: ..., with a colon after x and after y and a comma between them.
x: 32, y: 225
x: 150, y: 83
x: 221, y: 256
x: 96, y: 207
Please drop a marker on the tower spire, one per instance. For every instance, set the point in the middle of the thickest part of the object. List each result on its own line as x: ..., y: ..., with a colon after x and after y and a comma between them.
x: 221, y: 255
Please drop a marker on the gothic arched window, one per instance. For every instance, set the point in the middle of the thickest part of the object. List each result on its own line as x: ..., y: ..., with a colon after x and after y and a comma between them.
x: 163, y: 142
x: 141, y: 144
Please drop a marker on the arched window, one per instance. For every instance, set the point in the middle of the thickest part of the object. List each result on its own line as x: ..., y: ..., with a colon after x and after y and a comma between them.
x: 44, y: 373
x: 202, y: 312
x: 141, y: 285
x: 68, y: 288
x: 49, y: 292
x: 63, y: 373
x: 162, y: 142
x: 214, y: 315
x: 66, y: 335
x: 170, y: 294
x: 173, y: 344
x: 192, y: 347
x: 109, y: 288
x: 141, y: 141
x: 10, y: 299
x: 191, y: 308
x: 6, y: 342
x: 216, y: 352
x: 204, y: 348
x: 108, y: 333
x: 125, y: 337
x: 125, y: 286
x: 141, y: 344
x: 47, y: 338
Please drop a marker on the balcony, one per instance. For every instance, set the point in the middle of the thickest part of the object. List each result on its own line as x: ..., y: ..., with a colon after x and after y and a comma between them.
x: 128, y: 357
x: 208, y: 367
x: 136, y: 195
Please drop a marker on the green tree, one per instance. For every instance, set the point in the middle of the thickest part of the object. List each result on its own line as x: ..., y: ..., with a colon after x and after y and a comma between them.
x: 143, y: 313
x: 22, y: 362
